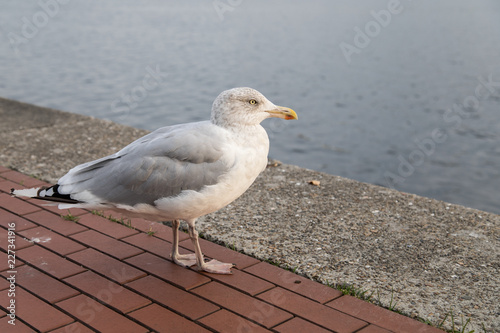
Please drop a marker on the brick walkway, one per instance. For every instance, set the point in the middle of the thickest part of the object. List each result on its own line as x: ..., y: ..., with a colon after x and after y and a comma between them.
x: 97, y: 275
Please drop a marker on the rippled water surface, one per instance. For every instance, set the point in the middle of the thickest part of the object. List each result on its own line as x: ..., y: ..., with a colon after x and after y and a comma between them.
x: 406, y: 96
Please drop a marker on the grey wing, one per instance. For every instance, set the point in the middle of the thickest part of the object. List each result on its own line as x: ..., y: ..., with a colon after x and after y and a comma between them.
x: 161, y: 164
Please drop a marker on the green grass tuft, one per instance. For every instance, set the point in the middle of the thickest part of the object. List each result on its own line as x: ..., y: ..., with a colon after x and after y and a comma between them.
x: 70, y: 217
x: 122, y: 221
x: 349, y: 289
x: 151, y: 232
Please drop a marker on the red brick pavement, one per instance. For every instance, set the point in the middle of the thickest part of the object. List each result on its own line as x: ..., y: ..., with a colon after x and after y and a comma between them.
x: 97, y: 275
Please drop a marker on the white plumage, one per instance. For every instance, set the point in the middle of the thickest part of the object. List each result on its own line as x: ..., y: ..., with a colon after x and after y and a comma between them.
x: 178, y: 172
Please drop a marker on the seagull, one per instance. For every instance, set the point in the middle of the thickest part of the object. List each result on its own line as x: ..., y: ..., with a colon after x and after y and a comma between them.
x: 178, y: 172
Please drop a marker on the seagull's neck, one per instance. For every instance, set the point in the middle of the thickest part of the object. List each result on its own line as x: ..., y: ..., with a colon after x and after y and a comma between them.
x: 245, y: 134
x: 243, y: 129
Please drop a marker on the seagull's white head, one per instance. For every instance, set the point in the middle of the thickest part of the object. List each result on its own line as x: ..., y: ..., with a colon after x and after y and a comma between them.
x: 246, y: 106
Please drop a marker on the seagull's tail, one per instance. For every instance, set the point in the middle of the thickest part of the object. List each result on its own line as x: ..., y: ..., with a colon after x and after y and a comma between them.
x: 50, y: 193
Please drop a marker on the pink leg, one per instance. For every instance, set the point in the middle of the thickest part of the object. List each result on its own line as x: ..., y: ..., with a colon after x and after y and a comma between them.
x: 184, y: 260
x: 213, y: 266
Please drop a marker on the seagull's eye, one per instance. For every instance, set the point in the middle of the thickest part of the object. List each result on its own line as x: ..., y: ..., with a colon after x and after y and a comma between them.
x: 252, y: 101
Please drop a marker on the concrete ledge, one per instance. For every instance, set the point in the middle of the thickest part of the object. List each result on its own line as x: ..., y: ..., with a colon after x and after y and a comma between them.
x: 431, y: 256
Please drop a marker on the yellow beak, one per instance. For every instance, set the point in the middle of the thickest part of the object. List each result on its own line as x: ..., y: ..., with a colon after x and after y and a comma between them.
x: 283, y: 112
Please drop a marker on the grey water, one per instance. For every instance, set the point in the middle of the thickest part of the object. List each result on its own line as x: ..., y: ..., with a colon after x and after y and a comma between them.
x: 403, y: 94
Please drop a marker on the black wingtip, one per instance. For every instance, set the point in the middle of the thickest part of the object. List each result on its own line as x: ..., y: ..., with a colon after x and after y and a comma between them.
x: 55, y: 196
